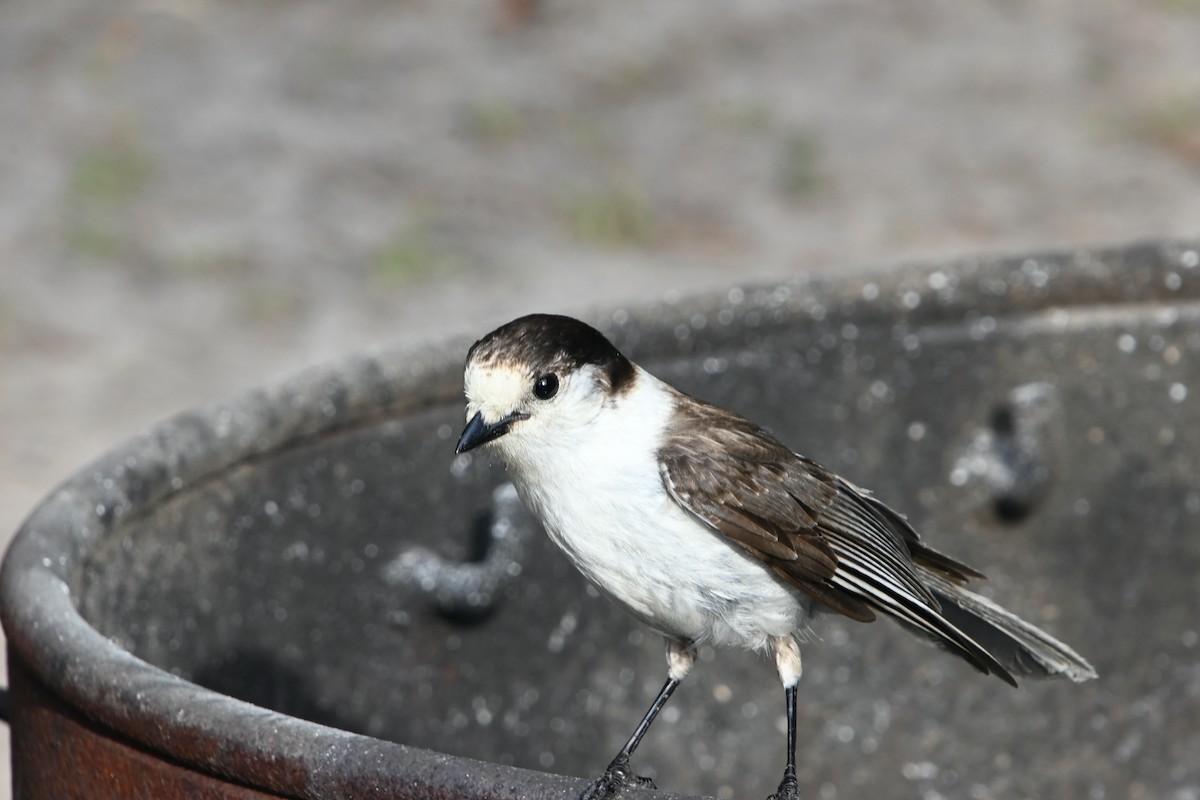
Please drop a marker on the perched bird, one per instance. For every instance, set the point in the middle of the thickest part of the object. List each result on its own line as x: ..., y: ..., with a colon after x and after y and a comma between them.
x: 708, y: 529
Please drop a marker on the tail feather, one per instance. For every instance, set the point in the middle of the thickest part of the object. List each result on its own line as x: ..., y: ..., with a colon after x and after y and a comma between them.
x: 1022, y: 648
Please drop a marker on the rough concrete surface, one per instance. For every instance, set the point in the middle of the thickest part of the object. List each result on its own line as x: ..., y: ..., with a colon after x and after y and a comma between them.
x: 200, y: 197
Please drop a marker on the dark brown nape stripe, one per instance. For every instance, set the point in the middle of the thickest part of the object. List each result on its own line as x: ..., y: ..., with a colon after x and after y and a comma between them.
x: 620, y: 374
x: 546, y: 342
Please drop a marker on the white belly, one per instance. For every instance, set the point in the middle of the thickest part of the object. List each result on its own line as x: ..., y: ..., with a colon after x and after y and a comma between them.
x: 678, y: 577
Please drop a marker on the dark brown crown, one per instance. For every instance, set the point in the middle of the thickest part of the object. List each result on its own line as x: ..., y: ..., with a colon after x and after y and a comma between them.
x: 544, y: 343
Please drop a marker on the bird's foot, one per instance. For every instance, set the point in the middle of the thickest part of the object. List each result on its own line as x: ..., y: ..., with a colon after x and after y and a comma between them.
x: 618, y: 776
x: 788, y: 789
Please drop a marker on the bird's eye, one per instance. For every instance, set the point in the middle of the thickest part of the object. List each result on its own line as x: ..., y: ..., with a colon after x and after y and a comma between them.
x: 545, y: 386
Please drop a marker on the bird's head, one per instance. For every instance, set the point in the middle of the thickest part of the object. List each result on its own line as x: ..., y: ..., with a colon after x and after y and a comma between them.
x: 536, y: 380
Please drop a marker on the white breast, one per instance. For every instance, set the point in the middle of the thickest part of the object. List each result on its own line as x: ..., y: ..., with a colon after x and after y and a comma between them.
x: 602, y: 500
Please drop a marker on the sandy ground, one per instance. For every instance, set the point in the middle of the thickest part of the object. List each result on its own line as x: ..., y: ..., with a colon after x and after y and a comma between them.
x: 198, y: 197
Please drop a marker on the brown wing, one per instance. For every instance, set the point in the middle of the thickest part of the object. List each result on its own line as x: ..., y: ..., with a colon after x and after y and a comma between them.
x: 828, y: 538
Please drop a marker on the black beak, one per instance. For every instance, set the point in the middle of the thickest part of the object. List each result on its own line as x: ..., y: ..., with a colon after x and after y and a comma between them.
x: 479, y: 432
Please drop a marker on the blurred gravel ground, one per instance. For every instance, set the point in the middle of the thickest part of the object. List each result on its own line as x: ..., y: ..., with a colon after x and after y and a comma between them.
x: 199, y: 197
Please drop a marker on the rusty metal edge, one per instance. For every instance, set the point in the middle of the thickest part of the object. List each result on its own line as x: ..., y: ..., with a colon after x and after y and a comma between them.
x: 59, y: 754
x: 294, y: 758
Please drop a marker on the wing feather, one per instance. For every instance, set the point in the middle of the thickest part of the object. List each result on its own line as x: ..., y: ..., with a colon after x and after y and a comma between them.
x: 820, y: 533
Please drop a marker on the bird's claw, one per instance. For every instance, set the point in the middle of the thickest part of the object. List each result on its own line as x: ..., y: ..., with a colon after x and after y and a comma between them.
x: 789, y: 789
x: 617, y: 777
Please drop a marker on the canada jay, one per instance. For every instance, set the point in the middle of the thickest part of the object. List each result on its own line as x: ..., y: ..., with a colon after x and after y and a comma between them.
x: 707, y: 528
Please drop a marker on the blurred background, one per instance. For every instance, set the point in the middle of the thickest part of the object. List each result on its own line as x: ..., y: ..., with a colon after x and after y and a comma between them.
x: 198, y: 197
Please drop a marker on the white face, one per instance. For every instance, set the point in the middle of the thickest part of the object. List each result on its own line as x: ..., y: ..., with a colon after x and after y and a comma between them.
x: 498, y: 391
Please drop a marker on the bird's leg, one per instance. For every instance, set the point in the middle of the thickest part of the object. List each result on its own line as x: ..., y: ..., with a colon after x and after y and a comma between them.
x: 787, y: 661
x: 619, y: 774
x: 789, y: 788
